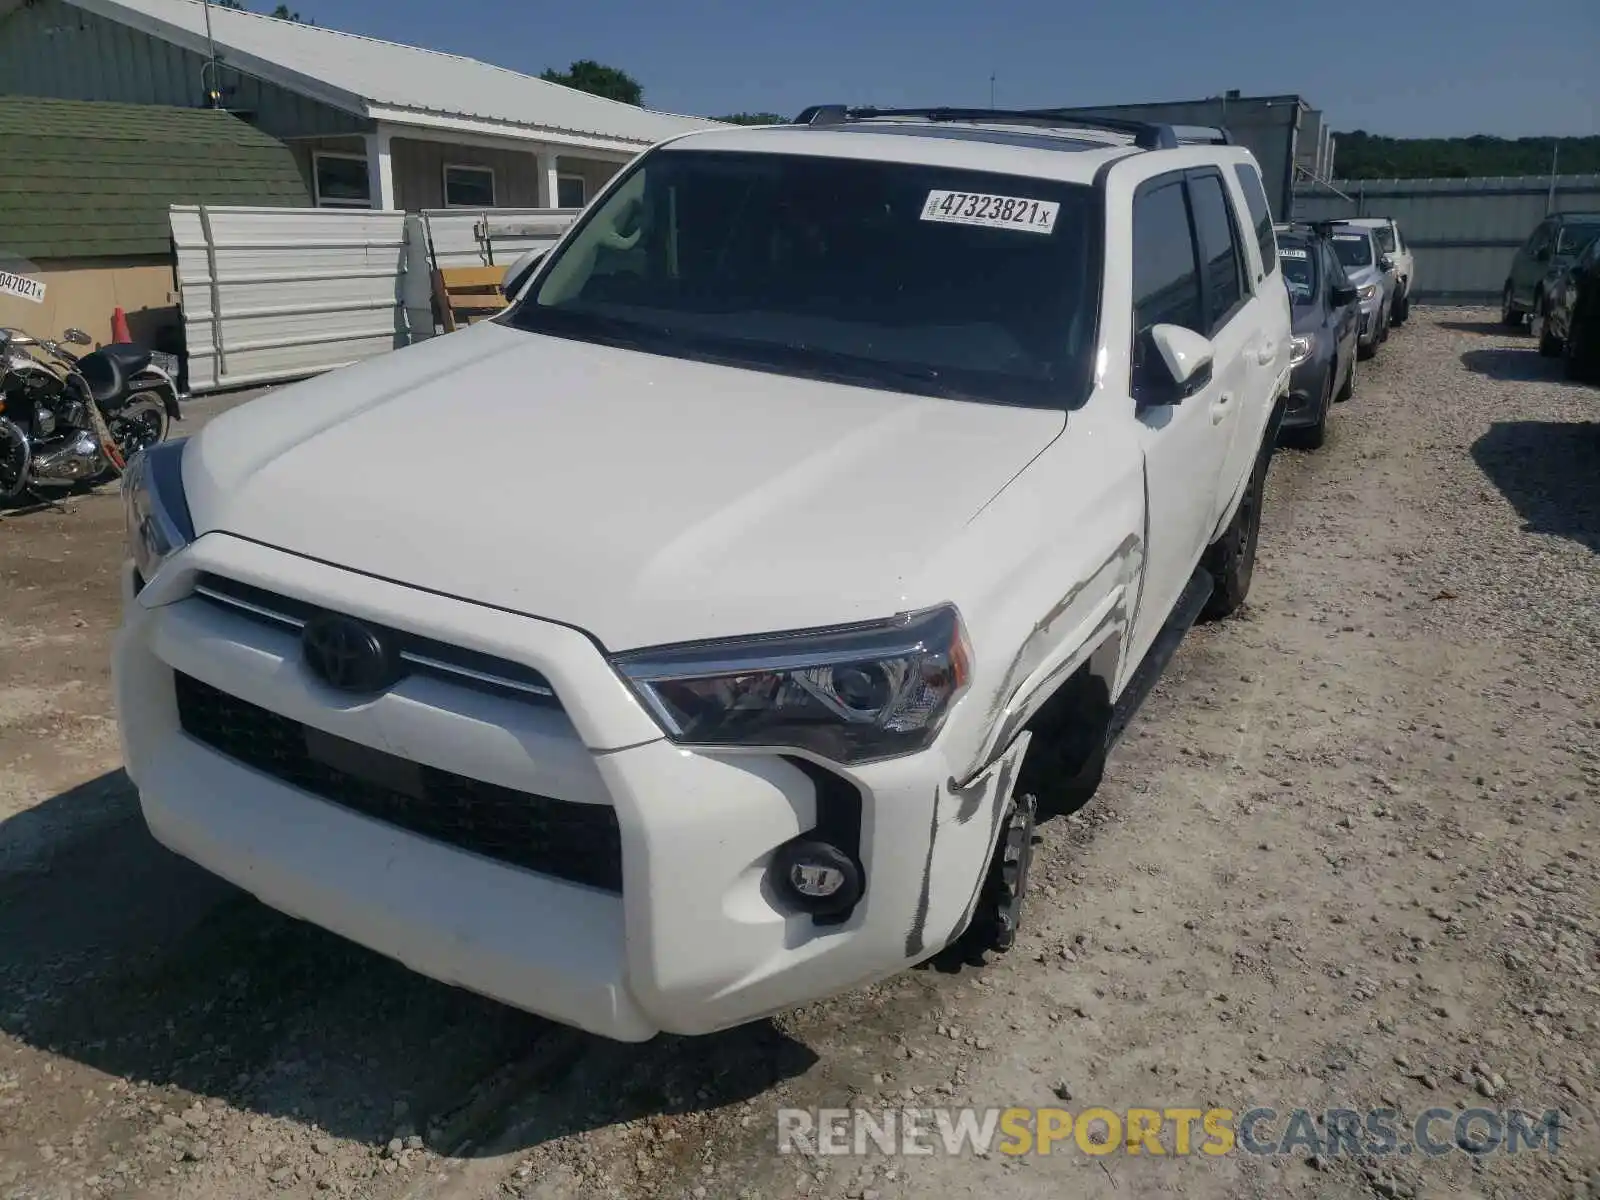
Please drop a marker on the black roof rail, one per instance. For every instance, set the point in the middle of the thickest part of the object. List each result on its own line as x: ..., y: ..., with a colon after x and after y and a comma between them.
x: 1203, y: 135
x: 1145, y: 134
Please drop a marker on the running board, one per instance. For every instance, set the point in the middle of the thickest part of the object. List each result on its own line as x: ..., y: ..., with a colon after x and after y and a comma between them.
x: 1184, y: 614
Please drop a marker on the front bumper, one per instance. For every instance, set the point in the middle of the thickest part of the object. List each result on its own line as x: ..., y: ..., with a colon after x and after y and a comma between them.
x: 697, y: 939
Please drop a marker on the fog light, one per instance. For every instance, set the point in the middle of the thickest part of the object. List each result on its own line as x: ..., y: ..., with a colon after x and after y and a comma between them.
x: 815, y: 877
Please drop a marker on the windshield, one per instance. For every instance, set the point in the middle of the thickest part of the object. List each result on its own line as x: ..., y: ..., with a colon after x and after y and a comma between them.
x: 1299, y: 271
x: 912, y: 277
x: 1353, y: 249
x: 1573, y: 238
x: 1385, y: 236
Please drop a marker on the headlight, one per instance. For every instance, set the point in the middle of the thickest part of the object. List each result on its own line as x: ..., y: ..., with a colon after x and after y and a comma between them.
x: 153, y: 505
x: 1300, y: 347
x: 1367, y: 291
x: 850, y: 694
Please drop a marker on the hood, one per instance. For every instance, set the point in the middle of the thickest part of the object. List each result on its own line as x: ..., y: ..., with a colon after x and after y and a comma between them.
x: 644, y: 499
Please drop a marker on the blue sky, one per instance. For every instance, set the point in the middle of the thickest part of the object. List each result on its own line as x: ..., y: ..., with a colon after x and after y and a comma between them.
x: 1410, y: 68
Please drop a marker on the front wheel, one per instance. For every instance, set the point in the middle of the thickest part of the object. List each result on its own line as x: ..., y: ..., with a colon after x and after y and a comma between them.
x: 1349, y: 388
x: 16, y: 456
x: 1549, y: 344
x: 1402, y: 308
x: 1509, y: 316
x: 1231, y: 559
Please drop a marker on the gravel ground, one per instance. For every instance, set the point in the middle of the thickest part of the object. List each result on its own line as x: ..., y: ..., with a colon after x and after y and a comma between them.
x: 1346, y: 856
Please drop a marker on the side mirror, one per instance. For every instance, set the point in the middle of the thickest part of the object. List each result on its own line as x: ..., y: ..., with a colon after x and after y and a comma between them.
x: 1343, y: 294
x: 1178, y: 362
x: 77, y: 337
x: 519, y: 272
x: 1385, y: 263
x: 1542, y: 254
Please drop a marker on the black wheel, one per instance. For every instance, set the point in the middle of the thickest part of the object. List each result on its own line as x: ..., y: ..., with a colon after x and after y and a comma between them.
x: 1349, y: 388
x: 1510, y: 317
x: 1231, y: 559
x: 1402, y: 308
x: 998, y: 914
x: 1383, y: 328
x: 16, y: 455
x: 1549, y: 345
x: 139, y: 424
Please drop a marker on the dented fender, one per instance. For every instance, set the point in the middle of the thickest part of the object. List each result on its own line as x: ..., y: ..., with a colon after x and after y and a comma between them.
x: 961, y: 837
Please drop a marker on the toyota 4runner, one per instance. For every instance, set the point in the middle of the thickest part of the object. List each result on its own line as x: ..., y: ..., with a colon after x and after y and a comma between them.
x: 704, y: 635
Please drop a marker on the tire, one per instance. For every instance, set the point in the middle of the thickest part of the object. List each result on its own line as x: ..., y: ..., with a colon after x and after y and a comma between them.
x: 1510, y: 317
x: 140, y: 424
x: 1349, y: 388
x: 1402, y: 308
x: 1549, y: 346
x: 1312, y: 437
x: 1383, y: 327
x: 1231, y: 559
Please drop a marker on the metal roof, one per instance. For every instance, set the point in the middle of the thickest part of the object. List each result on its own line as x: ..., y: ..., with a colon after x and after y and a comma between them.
x: 403, y: 85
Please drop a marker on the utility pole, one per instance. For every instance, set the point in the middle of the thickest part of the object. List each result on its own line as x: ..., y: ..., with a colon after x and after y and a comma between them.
x: 213, y: 90
x: 1555, y: 157
x: 991, y: 89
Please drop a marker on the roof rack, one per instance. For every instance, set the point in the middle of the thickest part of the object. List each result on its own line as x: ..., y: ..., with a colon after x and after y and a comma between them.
x: 1146, y: 135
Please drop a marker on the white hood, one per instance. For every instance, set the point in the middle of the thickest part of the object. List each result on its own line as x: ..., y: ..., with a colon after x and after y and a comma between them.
x: 641, y: 498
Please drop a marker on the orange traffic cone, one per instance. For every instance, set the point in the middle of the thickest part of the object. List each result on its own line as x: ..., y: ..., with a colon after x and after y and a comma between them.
x: 119, y: 326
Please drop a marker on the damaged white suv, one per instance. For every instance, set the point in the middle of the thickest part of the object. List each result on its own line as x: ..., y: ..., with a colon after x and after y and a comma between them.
x: 704, y: 635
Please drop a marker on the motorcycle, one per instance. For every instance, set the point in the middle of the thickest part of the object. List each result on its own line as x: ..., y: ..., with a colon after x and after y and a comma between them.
x: 76, y: 419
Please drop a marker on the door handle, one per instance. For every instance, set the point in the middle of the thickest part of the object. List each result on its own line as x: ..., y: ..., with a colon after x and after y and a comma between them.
x: 1219, y: 407
x: 1267, y: 353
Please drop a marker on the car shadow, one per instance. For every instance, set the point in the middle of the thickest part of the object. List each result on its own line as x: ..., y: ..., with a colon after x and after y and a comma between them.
x: 1493, y: 327
x: 1546, y: 469
x: 1514, y: 365
x: 126, y: 958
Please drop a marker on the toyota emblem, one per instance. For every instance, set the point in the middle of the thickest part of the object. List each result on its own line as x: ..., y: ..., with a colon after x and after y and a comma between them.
x: 347, y: 655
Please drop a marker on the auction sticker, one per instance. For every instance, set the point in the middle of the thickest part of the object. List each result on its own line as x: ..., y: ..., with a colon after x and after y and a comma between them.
x: 1290, y: 252
x: 994, y: 212
x: 21, y: 285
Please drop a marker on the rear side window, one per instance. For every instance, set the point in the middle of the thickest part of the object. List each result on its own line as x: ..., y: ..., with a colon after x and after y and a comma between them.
x: 1255, y: 199
x: 1220, y: 251
x: 1166, y: 279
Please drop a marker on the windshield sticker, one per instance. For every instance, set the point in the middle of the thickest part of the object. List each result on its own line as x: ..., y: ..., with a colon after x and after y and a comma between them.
x: 1349, y: 237
x: 1288, y: 252
x: 996, y: 212
x: 21, y: 285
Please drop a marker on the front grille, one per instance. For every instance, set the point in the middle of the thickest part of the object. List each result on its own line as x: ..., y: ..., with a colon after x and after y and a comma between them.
x: 577, y: 842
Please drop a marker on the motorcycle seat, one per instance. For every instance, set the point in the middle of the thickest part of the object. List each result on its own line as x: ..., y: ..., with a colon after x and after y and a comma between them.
x: 107, y: 369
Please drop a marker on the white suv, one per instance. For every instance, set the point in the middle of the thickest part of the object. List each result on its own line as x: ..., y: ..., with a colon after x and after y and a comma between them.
x: 702, y: 636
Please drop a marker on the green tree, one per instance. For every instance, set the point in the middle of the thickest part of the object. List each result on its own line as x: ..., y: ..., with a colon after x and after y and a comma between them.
x: 1363, y: 155
x: 755, y: 118
x: 283, y: 14
x: 589, y: 76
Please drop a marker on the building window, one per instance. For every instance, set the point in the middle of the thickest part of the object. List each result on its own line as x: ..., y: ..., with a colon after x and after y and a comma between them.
x: 572, y: 191
x: 468, y: 187
x: 340, y: 180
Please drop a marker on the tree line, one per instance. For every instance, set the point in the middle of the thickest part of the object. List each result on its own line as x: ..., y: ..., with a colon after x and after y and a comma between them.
x: 1362, y: 155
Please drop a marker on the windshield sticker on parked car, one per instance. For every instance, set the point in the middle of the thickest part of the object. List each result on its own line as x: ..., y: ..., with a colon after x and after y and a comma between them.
x: 996, y: 212
x: 1349, y: 237
x: 1291, y: 252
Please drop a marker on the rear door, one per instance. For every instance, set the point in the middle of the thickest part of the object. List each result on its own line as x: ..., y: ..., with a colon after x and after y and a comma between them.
x: 1248, y: 324
x: 1184, y: 443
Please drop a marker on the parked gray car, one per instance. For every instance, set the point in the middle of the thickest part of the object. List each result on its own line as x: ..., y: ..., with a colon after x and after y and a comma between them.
x: 1373, y: 274
x: 1551, y: 248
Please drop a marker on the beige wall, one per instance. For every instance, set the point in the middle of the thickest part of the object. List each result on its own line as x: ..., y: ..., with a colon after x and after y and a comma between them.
x: 419, y: 169
x: 83, y: 293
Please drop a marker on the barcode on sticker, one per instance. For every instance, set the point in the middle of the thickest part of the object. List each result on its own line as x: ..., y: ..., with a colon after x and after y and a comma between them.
x: 995, y: 212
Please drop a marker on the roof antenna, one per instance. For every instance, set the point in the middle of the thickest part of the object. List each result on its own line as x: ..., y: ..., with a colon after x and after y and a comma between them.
x: 213, y: 93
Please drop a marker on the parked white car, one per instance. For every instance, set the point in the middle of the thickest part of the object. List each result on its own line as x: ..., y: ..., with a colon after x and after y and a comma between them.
x: 1386, y: 232
x: 702, y: 636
